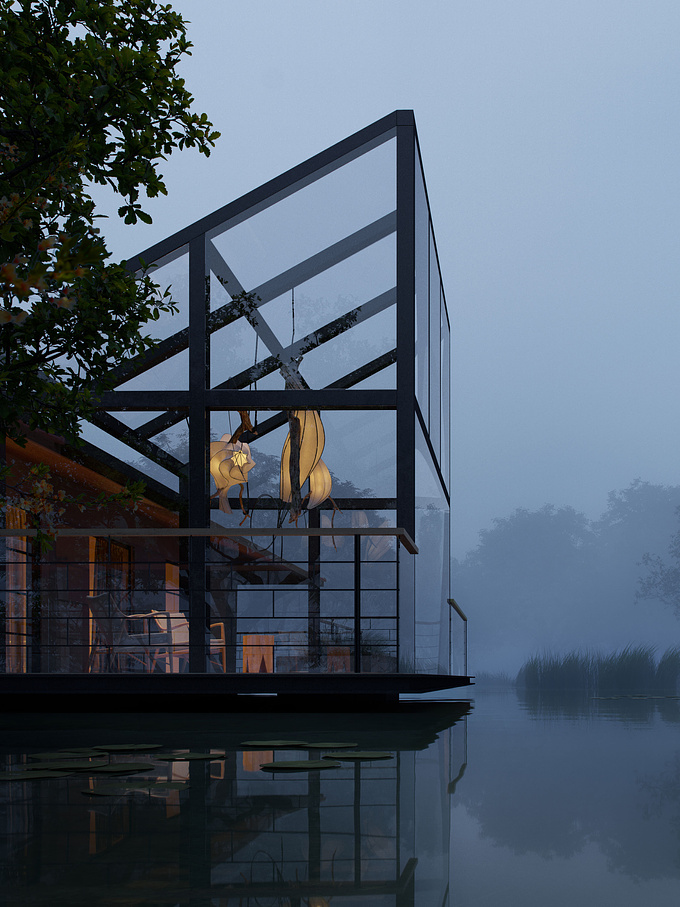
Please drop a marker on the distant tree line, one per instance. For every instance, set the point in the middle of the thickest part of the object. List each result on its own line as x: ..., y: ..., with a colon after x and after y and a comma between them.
x: 551, y: 580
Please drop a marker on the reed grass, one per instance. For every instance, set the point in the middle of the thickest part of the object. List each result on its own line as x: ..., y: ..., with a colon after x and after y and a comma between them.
x: 632, y: 669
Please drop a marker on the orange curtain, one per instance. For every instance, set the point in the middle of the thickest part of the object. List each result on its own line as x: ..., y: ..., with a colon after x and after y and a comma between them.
x: 258, y: 653
x: 171, y: 587
x: 338, y: 659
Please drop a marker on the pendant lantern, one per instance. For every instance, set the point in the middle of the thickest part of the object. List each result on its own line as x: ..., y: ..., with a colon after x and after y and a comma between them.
x: 312, y: 467
x: 230, y: 462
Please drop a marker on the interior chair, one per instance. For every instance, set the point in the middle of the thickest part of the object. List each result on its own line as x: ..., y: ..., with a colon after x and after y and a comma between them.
x: 118, y: 635
x: 168, y: 634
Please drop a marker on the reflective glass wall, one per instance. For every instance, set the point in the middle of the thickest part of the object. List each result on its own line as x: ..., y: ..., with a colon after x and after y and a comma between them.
x: 432, y: 432
x: 293, y: 307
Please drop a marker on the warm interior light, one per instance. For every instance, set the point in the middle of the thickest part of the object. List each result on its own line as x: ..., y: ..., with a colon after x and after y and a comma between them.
x: 230, y: 462
x: 320, y: 485
x: 312, y: 467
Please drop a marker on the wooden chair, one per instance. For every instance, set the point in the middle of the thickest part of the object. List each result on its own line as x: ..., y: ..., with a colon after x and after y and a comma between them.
x: 112, y: 638
x: 168, y: 632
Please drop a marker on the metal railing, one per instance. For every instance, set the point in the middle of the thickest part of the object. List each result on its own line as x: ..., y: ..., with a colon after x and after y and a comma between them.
x: 459, y: 611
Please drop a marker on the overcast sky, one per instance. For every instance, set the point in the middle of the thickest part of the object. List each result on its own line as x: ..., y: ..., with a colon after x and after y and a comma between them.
x: 550, y: 138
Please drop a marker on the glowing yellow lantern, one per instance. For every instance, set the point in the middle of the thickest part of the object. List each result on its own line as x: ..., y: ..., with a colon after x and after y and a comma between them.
x: 230, y: 462
x: 312, y: 467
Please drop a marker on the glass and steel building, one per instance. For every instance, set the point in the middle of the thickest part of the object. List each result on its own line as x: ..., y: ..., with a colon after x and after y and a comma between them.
x: 291, y: 426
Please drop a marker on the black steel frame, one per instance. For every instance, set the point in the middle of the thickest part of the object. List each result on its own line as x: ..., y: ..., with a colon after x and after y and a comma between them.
x: 200, y: 399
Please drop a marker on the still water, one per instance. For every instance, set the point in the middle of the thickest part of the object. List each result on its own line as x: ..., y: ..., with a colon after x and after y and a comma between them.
x: 495, y: 801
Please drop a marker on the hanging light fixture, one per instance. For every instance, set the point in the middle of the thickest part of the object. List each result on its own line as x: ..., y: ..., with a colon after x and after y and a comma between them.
x: 307, y: 451
x: 230, y: 463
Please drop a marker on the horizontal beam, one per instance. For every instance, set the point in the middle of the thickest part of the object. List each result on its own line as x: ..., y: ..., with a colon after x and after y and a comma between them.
x: 273, y: 505
x: 218, y: 532
x: 228, y: 399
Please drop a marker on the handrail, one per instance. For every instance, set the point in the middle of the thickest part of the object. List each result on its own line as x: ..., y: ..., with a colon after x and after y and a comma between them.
x: 459, y: 611
x: 456, y: 607
x: 216, y: 532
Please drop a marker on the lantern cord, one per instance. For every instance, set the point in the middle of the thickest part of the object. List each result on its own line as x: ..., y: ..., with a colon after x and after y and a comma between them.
x: 257, y: 339
x: 336, y: 509
x: 244, y: 425
x: 292, y: 313
x: 240, y: 500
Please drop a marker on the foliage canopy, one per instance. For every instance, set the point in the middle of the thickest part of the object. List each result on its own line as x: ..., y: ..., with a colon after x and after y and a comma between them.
x: 90, y: 94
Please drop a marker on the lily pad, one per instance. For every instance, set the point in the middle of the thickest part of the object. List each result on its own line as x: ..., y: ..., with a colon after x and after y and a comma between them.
x: 65, y: 754
x: 128, y: 747
x: 71, y: 765
x: 298, y: 765
x: 118, y: 789
x: 123, y: 768
x: 358, y: 755
x: 170, y: 785
x: 330, y: 746
x: 272, y: 744
x: 36, y: 775
x: 187, y: 757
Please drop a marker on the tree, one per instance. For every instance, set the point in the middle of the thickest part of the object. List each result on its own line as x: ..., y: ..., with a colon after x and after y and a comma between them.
x: 524, y: 583
x: 551, y: 579
x: 90, y: 94
x: 662, y: 582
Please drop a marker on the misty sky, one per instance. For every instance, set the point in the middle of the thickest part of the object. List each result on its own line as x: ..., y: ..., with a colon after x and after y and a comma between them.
x: 550, y: 135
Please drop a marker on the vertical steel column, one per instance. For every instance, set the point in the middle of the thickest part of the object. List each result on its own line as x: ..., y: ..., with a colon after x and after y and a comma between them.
x: 199, y: 436
x: 357, y: 604
x: 313, y: 591
x: 406, y: 292
x: 398, y: 611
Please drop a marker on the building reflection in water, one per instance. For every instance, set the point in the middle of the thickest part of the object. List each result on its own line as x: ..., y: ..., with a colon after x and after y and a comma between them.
x: 365, y: 833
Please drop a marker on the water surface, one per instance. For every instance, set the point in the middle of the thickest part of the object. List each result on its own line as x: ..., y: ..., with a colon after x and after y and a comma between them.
x: 499, y: 801
x: 568, y: 800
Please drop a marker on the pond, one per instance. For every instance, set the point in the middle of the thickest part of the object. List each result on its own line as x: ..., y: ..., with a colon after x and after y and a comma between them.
x: 496, y: 800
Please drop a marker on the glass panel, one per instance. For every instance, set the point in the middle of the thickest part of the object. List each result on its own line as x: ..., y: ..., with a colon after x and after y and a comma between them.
x: 385, y: 379
x: 175, y: 440
x: 100, y: 605
x: 351, y: 350
x: 435, y: 354
x: 422, y: 273
x: 308, y: 221
x: 336, y: 604
x: 361, y: 450
x: 171, y: 374
x: 135, y: 419
x: 445, y: 396
x: 378, y: 603
x: 116, y: 448
x: 431, y: 565
x: 218, y: 292
x: 334, y: 292
x: 175, y: 277
x: 103, y: 604
x: 233, y: 350
x: 379, y: 575
x: 407, y: 579
x: 358, y: 466
x: 338, y: 575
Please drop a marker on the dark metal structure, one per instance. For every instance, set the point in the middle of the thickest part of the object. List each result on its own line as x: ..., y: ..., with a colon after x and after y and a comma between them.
x: 329, y: 274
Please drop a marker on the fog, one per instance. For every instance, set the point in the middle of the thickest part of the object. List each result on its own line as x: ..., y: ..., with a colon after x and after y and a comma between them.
x: 550, y: 138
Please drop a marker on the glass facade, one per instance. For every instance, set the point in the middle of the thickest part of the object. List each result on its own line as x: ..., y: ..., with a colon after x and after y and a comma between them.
x: 278, y: 533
